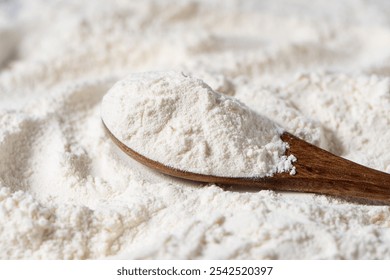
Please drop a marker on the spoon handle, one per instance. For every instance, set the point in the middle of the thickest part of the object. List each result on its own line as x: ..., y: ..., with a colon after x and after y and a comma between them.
x: 321, y: 172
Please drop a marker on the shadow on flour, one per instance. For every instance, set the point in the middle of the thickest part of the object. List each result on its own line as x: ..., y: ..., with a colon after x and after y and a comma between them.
x: 336, y: 200
x: 9, y: 45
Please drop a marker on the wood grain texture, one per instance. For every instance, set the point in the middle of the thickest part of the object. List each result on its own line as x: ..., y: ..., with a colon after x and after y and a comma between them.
x: 318, y: 171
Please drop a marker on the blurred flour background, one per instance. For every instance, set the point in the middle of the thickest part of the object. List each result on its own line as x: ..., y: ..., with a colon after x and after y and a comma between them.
x: 318, y: 68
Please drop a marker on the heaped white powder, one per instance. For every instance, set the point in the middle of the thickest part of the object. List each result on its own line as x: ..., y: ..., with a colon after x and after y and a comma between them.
x: 181, y: 122
x: 318, y: 69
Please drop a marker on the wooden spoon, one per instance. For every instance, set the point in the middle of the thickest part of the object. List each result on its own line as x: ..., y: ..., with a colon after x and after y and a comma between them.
x: 317, y: 171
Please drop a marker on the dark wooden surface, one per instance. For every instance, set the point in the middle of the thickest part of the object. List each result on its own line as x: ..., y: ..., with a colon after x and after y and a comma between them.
x: 318, y: 171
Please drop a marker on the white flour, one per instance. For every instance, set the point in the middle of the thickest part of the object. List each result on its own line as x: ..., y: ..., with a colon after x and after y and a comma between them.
x: 319, y: 69
x: 181, y: 122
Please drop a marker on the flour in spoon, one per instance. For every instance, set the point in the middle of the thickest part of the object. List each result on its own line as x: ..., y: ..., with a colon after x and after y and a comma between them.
x: 181, y: 122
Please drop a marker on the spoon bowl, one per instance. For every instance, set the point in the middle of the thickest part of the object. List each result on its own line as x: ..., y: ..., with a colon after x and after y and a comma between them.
x: 317, y: 171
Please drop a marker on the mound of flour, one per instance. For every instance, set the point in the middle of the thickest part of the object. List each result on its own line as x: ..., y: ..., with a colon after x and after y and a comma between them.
x: 66, y: 191
x: 181, y: 122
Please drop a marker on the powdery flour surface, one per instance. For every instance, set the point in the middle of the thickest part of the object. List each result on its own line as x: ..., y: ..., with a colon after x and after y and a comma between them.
x: 320, y: 71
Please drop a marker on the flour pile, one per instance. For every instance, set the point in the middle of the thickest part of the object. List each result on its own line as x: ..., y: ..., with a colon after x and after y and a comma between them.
x: 319, y: 69
x: 181, y: 122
